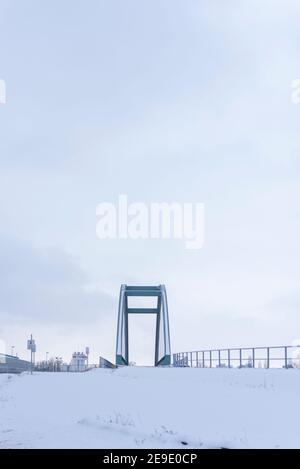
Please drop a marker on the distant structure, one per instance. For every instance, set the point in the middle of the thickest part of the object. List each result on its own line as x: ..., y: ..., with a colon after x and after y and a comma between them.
x: 12, y: 364
x: 162, y: 336
x: 79, y: 362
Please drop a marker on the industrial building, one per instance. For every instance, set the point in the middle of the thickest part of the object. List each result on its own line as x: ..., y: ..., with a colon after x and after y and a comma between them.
x: 12, y: 364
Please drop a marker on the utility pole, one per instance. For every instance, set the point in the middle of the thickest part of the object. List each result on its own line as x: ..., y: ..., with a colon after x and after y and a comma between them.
x: 32, y: 347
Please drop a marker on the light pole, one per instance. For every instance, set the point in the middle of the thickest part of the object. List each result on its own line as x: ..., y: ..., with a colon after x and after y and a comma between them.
x: 12, y: 350
x: 32, y: 347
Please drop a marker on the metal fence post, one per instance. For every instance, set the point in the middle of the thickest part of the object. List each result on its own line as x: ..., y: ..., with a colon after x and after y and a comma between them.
x: 228, y: 358
x: 241, y: 361
x: 210, y: 359
x: 219, y: 353
x: 197, y: 359
x: 268, y: 357
x: 253, y: 357
x: 203, y: 359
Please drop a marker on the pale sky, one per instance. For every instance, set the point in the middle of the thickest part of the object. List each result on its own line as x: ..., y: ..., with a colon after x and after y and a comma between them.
x: 162, y: 100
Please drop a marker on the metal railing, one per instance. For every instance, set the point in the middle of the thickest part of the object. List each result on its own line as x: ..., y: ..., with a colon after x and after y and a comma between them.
x: 282, y: 356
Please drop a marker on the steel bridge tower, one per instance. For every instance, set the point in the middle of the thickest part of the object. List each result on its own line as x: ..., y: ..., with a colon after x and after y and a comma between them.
x: 162, y: 336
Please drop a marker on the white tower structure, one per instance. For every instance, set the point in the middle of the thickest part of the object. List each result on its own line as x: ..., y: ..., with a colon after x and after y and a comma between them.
x: 79, y: 361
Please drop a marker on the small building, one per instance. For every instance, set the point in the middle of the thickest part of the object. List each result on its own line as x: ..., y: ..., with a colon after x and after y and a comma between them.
x: 12, y: 364
x: 79, y: 362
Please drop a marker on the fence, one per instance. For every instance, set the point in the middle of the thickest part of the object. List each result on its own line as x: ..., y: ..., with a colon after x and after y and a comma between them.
x: 282, y: 356
x: 63, y: 367
x: 58, y: 366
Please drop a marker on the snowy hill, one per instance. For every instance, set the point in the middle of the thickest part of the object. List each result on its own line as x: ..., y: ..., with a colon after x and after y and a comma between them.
x: 151, y: 407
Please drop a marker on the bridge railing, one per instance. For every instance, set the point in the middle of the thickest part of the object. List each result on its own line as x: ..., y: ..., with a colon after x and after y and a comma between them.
x: 282, y: 356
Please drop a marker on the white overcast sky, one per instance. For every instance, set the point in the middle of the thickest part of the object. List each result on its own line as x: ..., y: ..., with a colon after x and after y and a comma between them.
x: 162, y: 100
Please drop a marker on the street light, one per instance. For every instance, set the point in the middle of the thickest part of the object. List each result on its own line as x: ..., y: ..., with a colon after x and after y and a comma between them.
x: 32, y: 347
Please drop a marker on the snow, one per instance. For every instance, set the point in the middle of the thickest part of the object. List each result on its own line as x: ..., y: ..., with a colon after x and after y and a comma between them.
x: 140, y: 407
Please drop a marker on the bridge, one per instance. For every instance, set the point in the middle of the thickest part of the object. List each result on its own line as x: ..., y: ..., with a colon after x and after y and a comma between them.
x: 162, y: 335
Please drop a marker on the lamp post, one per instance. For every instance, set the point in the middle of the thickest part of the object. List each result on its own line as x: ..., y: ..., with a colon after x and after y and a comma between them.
x: 32, y: 347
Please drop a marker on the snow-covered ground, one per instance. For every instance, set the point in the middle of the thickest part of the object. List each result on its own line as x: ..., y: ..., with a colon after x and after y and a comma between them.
x: 151, y: 407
